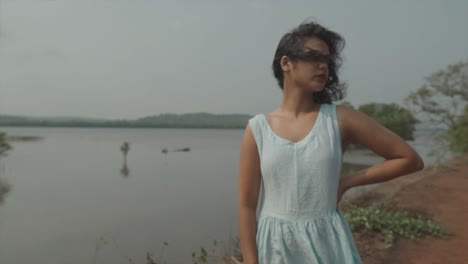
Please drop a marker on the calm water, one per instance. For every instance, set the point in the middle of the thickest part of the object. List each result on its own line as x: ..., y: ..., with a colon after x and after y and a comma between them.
x: 68, y: 191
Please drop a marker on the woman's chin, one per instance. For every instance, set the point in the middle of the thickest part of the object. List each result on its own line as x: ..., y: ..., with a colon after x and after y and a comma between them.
x: 315, y: 88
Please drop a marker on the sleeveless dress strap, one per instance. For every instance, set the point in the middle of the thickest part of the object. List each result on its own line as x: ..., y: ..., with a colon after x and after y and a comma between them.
x: 336, y: 127
x: 257, y: 126
x: 258, y: 130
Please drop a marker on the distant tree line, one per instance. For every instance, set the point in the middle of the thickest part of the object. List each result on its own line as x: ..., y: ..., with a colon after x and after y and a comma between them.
x: 392, y: 116
x: 441, y: 100
x: 191, y: 120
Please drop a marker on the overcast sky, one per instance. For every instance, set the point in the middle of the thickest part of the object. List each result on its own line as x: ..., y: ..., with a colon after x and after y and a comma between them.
x: 134, y: 58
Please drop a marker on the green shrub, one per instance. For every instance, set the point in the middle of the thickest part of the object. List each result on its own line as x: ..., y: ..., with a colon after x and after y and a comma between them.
x: 458, y: 133
x: 377, y: 218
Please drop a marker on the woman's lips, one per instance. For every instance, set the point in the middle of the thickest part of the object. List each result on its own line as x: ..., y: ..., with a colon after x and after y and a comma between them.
x: 322, y: 77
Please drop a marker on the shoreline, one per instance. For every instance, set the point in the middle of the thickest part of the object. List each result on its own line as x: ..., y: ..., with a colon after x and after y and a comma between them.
x: 438, y: 193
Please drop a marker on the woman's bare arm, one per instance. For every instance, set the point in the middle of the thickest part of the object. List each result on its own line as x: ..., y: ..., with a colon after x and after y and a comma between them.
x: 400, y: 158
x: 249, y: 185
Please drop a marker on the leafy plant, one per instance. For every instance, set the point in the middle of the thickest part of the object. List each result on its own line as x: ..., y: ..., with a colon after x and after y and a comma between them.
x: 391, y: 223
x: 204, y: 255
x: 443, y: 102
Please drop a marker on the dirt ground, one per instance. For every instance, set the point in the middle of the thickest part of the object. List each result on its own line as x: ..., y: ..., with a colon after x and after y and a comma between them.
x: 440, y: 194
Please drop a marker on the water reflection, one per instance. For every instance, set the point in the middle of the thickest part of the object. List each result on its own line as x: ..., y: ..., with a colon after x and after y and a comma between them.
x: 4, y: 148
x: 5, y: 188
x: 125, y: 148
x: 125, y: 171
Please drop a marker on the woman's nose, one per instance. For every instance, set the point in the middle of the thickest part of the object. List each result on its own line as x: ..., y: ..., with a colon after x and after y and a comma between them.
x: 323, y: 66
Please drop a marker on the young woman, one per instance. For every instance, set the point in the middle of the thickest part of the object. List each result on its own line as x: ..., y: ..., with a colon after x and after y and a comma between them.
x: 291, y: 158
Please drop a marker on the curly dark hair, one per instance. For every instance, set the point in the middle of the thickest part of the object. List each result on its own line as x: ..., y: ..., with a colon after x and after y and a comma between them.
x: 292, y: 44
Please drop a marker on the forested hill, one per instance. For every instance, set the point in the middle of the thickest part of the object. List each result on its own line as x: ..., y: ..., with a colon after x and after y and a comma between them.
x: 166, y: 120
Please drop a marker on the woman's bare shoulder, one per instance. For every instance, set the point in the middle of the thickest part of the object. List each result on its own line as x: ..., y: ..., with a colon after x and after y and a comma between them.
x: 343, y: 113
x: 348, y: 116
x: 343, y: 110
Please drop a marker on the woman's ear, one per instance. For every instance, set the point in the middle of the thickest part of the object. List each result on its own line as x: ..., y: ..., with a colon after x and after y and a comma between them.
x: 286, y: 64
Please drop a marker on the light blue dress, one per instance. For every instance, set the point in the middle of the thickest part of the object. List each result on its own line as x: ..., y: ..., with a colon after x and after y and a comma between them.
x: 297, y: 218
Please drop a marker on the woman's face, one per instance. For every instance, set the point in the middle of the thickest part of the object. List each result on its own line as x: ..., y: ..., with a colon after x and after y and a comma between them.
x: 310, y: 70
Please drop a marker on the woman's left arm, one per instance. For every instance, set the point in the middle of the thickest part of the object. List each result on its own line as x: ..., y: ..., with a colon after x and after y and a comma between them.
x: 400, y: 158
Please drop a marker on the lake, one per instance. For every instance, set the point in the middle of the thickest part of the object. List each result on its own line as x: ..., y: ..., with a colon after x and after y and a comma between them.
x: 70, y: 201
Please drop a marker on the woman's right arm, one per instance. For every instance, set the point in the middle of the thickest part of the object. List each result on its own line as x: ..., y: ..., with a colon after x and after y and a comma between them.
x: 248, y: 188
